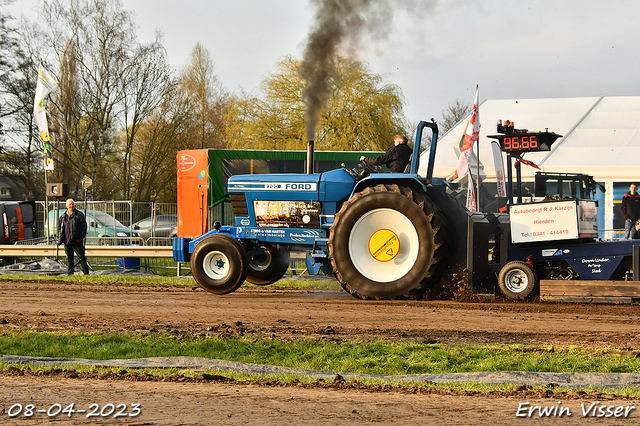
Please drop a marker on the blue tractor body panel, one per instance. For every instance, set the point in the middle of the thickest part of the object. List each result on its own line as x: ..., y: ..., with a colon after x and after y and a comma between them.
x: 592, y: 260
x: 282, y: 209
x: 281, y: 206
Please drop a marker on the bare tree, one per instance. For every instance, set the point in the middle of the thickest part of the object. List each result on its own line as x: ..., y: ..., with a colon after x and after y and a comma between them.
x: 454, y: 113
x: 109, y: 84
x: 148, y: 84
x: 200, y: 83
x: 158, y: 141
x: 21, y: 150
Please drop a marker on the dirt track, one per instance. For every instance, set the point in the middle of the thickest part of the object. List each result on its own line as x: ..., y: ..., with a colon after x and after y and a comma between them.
x: 288, y: 314
x: 334, y: 315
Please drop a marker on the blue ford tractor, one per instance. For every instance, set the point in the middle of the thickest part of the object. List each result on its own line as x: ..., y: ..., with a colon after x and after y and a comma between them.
x: 398, y: 235
x: 382, y: 235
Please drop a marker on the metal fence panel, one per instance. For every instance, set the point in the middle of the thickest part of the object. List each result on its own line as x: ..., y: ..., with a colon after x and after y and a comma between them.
x: 125, y: 212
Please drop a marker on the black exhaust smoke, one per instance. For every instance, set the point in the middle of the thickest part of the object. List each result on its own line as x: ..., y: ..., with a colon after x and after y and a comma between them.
x: 337, y: 22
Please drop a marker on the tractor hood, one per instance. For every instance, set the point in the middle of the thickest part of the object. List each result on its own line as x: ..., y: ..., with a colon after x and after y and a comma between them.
x: 334, y: 185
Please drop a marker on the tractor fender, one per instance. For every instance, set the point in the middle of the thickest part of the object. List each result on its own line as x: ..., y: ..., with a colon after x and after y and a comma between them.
x: 236, y: 232
x: 401, y: 179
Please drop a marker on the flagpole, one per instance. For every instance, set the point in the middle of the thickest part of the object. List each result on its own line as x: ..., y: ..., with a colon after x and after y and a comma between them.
x: 478, y: 176
x: 46, y: 205
x: 477, y: 106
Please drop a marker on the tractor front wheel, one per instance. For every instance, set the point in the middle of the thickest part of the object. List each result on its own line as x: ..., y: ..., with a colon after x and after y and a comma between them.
x: 219, y: 264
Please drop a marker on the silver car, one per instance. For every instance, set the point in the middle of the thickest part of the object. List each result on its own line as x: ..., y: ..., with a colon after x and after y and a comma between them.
x: 164, y: 226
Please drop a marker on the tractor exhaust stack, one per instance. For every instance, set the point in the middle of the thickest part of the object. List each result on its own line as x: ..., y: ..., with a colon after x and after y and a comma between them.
x: 310, y: 144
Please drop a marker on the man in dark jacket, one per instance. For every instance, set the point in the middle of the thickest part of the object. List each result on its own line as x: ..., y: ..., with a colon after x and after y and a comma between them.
x: 630, y: 209
x: 396, y: 158
x: 72, y: 230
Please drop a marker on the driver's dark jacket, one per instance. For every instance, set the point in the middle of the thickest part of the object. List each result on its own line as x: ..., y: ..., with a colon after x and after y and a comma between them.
x: 396, y: 158
x: 77, y: 224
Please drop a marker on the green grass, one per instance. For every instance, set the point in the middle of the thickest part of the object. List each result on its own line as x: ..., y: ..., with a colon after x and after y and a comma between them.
x: 350, y: 356
x: 310, y: 283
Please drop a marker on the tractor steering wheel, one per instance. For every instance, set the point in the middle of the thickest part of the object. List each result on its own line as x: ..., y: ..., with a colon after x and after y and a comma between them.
x: 362, y: 170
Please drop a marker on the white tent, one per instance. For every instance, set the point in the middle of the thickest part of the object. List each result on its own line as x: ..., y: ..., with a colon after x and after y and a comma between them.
x: 601, y: 137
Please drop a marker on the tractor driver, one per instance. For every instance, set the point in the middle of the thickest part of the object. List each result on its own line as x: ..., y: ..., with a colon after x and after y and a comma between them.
x: 395, y: 158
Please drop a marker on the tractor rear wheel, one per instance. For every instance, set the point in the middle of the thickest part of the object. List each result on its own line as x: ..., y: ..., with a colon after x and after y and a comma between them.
x: 267, y: 265
x: 517, y: 280
x: 383, y: 243
x: 219, y: 264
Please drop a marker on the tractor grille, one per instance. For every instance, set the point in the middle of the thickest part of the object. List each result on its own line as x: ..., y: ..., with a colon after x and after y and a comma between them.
x: 239, y: 205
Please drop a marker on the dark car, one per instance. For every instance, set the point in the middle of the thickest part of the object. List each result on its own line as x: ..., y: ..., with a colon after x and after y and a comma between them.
x: 18, y: 221
x: 164, y: 225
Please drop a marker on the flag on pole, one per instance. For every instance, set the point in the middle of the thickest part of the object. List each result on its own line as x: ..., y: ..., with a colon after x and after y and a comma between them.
x: 527, y: 163
x: 499, y: 166
x: 471, y: 136
x: 46, y: 84
x: 471, y: 193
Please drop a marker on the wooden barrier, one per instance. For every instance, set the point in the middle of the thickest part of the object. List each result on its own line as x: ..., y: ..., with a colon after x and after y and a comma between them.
x: 590, y: 291
x: 90, y: 251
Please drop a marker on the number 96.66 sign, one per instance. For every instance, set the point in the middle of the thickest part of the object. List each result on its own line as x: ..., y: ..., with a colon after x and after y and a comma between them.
x: 526, y: 142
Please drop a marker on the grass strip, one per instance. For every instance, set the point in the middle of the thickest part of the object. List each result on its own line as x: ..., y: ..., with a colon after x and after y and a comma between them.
x: 550, y: 390
x: 298, y: 283
x: 389, y: 358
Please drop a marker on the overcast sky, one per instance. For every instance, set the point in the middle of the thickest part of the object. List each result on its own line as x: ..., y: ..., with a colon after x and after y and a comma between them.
x: 436, y: 53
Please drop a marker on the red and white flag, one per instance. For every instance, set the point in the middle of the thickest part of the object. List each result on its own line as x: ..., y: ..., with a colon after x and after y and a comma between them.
x: 472, y: 205
x: 471, y: 136
x: 527, y: 163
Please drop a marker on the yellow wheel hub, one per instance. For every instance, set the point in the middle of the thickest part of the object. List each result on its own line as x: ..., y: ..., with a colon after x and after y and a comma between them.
x: 384, y: 245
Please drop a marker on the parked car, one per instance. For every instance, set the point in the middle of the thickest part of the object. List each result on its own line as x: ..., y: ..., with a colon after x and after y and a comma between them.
x: 100, y: 225
x: 18, y: 221
x: 163, y: 225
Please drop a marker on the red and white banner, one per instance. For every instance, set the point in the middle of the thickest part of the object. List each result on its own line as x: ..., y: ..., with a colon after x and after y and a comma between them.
x: 471, y: 193
x: 471, y: 136
x: 499, y: 166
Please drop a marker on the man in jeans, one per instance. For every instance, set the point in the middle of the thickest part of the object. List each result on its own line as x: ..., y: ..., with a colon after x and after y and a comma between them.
x: 630, y: 209
x: 73, y: 229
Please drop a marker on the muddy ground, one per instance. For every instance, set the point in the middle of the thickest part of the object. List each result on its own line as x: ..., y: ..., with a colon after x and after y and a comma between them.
x: 293, y: 314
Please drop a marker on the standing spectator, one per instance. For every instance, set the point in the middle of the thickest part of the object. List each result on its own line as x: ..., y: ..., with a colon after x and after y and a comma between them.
x: 630, y: 209
x: 73, y: 229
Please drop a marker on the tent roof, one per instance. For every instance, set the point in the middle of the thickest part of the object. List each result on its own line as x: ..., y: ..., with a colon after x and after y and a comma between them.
x: 598, y: 134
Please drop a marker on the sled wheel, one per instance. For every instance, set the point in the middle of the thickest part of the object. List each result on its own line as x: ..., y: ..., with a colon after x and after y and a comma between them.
x: 517, y: 280
x: 267, y: 265
x: 219, y: 264
x: 382, y: 242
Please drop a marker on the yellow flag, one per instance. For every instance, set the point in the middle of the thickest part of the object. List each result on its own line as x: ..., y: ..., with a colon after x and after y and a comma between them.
x: 46, y: 84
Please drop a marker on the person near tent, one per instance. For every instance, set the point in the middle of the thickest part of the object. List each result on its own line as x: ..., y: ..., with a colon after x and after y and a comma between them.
x: 395, y: 158
x: 630, y: 209
x: 72, y: 230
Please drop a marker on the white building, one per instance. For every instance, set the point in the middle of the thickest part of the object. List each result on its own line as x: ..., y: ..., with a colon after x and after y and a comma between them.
x: 601, y: 137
